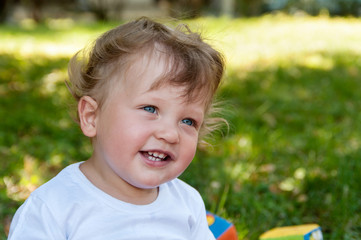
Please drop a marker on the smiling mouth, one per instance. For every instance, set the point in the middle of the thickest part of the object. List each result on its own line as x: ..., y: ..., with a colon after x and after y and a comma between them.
x: 156, y: 156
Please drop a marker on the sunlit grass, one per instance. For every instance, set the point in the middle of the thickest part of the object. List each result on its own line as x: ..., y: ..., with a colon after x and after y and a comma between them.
x: 268, y: 40
x: 292, y: 100
x: 55, y: 38
x: 265, y: 40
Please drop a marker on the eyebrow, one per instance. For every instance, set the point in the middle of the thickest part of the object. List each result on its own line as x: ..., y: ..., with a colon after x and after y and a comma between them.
x: 186, y: 101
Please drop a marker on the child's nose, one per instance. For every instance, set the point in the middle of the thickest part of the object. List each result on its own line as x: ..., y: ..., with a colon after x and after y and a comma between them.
x: 167, y: 132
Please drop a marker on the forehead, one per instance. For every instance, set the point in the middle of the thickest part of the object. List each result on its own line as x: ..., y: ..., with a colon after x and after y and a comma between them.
x: 159, y: 68
x: 152, y: 75
x: 148, y: 69
x: 152, y: 69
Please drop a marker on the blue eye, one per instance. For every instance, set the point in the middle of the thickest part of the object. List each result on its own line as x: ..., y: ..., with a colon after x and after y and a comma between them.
x: 150, y: 109
x: 188, y: 121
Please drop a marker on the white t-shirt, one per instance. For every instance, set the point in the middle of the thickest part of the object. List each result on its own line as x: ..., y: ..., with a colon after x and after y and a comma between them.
x: 70, y: 207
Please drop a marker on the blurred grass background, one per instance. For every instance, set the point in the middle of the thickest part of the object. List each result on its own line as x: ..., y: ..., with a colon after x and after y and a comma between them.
x: 292, y: 98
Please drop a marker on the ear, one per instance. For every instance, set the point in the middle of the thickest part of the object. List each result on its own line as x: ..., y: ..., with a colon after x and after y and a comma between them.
x: 87, y: 111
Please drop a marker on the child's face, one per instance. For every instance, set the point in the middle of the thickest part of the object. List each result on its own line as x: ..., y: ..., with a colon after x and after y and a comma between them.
x: 147, y: 137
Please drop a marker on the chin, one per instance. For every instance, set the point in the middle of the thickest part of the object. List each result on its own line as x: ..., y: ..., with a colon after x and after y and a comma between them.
x: 149, y: 183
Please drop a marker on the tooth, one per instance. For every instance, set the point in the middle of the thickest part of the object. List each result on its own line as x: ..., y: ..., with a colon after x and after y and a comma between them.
x: 156, y: 156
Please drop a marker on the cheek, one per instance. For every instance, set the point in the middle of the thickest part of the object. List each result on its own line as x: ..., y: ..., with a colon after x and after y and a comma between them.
x: 190, y: 149
x: 129, y: 136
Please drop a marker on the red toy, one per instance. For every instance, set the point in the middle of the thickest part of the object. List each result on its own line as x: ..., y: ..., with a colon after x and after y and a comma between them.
x: 221, y: 228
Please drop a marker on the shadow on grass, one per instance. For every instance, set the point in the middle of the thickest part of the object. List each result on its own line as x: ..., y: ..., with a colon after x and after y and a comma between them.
x: 291, y: 156
x: 37, y: 136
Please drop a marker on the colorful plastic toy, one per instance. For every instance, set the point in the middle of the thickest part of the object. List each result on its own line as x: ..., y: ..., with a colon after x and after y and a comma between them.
x: 221, y: 228
x: 300, y: 232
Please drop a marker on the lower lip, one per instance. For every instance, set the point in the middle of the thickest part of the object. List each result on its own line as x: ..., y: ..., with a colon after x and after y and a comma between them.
x: 155, y: 164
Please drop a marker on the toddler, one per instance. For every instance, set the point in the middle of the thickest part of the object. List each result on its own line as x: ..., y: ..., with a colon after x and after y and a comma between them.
x: 144, y: 95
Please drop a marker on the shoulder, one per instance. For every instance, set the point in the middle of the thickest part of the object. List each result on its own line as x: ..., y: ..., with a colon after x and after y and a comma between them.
x: 40, y: 212
x: 188, y: 201
x: 61, y: 185
x: 181, y: 186
x: 60, y: 193
x: 51, y: 205
x: 183, y: 192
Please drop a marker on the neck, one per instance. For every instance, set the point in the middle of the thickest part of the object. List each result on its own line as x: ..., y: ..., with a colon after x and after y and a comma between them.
x: 117, y: 187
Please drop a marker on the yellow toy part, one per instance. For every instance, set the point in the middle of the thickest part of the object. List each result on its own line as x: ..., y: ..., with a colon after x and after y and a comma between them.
x: 300, y: 232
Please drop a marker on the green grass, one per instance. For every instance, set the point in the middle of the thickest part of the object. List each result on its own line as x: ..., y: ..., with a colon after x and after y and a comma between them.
x: 292, y: 98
